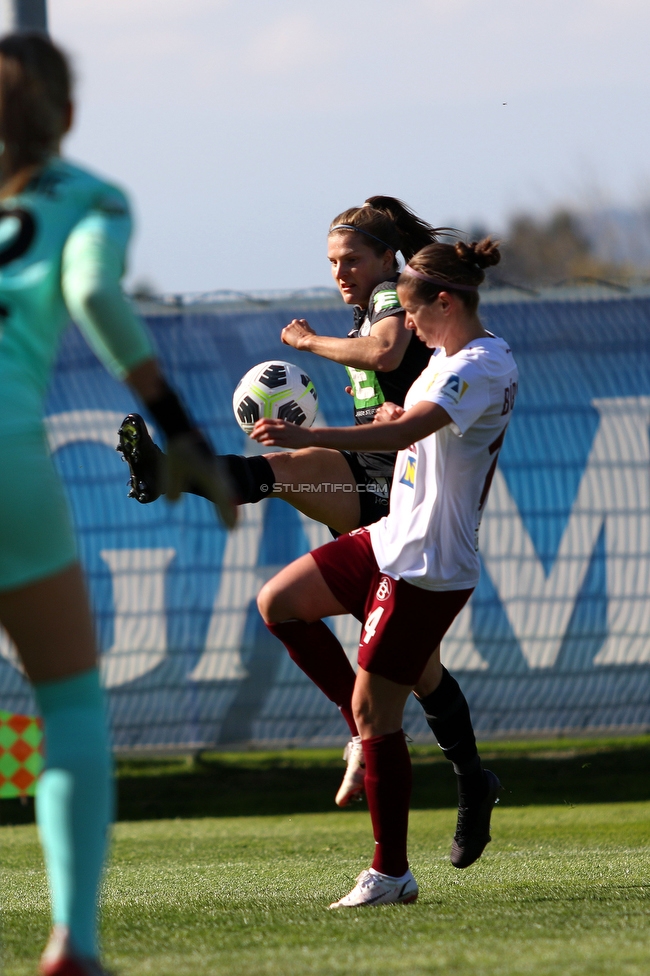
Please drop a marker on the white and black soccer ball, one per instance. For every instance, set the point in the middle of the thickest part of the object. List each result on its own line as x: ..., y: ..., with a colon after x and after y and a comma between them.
x: 275, y: 389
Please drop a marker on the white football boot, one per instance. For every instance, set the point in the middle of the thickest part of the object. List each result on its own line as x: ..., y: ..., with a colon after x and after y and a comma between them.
x: 353, y: 782
x: 373, y: 888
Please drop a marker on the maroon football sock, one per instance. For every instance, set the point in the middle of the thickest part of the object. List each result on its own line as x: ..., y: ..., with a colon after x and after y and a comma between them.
x: 316, y: 651
x: 388, y: 791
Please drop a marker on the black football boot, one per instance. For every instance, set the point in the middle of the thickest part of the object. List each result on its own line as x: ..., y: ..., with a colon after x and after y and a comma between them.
x: 473, y: 826
x: 146, y: 461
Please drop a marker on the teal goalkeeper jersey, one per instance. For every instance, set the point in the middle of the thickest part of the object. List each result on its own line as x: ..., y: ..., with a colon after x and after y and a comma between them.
x: 62, y: 253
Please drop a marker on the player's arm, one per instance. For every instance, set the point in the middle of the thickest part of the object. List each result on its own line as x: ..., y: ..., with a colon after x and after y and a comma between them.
x: 392, y: 432
x: 382, y: 350
x: 92, y: 267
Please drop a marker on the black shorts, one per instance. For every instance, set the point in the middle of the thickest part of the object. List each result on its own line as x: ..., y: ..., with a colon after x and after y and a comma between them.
x: 373, y: 492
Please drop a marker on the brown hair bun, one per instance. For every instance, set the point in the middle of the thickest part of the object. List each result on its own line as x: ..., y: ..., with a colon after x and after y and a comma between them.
x: 481, y: 254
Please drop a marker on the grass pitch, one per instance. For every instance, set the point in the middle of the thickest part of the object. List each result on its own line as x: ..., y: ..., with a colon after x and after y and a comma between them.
x: 564, y: 888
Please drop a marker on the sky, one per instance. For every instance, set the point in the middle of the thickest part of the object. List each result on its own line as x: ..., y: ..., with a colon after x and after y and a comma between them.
x: 241, y: 128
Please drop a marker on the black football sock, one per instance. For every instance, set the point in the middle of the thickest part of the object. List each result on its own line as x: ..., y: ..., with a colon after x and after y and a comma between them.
x: 471, y: 781
x: 447, y: 714
x: 252, y: 478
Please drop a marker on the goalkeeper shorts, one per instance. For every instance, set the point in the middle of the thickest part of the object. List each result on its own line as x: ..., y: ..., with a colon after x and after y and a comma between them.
x: 36, y: 536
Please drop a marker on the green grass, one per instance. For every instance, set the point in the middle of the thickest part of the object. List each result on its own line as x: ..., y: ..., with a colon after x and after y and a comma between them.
x: 297, y: 781
x: 561, y: 890
x: 564, y: 888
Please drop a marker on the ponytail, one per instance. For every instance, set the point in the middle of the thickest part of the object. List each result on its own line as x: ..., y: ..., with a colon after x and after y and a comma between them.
x: 387, y: 225
x: 414, y: 233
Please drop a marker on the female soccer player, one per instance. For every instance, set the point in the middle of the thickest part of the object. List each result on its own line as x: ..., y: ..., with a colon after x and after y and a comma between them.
x: 384, y: 360
x: 409, y: 575
x: 362, y: 246
x: 62, y: 247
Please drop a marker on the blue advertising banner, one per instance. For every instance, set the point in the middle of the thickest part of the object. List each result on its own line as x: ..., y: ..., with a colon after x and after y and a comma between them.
x: 557, y: 635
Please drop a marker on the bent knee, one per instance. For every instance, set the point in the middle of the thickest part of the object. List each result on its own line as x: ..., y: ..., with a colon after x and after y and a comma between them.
x: 273, y: 604
x: 361, y: 707
x: 265, y: 604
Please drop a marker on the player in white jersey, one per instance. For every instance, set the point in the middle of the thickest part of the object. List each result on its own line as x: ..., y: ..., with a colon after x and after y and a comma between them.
x: 363, y: 247
x: 409, y: 575
x: 382, y: 363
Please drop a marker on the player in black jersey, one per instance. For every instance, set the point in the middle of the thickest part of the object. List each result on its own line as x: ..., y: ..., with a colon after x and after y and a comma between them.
x: 383, y: 360
x: 382, y: 366
x: 363, y: 248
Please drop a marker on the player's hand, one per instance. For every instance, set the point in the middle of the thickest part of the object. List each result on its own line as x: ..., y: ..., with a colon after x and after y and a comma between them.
x: 387, y: 412
x: 349, y: 390
x: 278, y: 433
x: 190, y: 461
x: 297, y: 333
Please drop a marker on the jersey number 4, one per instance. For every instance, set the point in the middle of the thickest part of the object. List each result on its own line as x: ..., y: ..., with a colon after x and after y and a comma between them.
x: 370, y: 626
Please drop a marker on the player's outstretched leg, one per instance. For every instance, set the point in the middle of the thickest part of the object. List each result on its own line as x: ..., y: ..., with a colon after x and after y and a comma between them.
x: 447, y: 714
x: 146, y: 461
x: 252, y: 478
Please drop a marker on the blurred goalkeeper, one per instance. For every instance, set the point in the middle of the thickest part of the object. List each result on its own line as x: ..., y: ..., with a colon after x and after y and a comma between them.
x: 63, y: 237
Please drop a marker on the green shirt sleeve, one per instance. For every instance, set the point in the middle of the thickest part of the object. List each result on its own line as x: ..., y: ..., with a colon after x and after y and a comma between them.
x: 93, y: 263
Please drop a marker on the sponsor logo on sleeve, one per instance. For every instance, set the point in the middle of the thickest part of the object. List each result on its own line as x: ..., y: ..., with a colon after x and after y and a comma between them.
x: 408, y: 478
x: 454, y: 388
x: 385, y: 588
x: 386, y: 299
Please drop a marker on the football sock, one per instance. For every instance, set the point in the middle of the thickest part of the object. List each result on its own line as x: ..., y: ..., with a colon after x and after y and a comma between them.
x: 74, y: 800
x: 388, y: 791
x: 318, y: 653
x: 252, y: 478
x: 471, y: 781
x: 447, y: 714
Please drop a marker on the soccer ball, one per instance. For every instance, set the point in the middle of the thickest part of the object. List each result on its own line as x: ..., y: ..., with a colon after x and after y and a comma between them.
x: 275, y: 389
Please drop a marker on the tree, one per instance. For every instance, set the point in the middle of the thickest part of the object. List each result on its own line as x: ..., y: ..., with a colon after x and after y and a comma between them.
x: 544, y: 252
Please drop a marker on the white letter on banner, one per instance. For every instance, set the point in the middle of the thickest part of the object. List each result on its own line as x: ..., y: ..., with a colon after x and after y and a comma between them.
x: 614, y: 489
x: 140, y: 635
x: 240, y: 581
x: 458, y: 651
x: 72, y: 426
x: 626, y: 489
